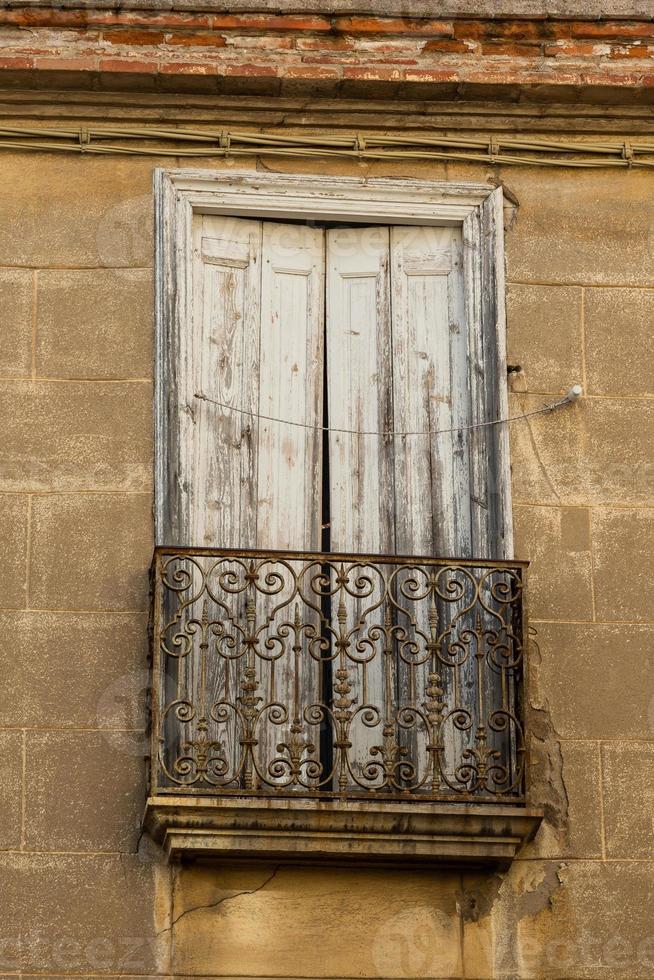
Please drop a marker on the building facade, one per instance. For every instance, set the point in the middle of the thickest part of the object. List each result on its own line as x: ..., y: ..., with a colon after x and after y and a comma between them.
x: 491, y: 165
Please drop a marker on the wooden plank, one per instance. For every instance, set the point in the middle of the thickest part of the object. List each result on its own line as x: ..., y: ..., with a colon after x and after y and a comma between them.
x: 291, y: 373
x: 359, y: 371
x: 219, y: 447
x: 429, y: 393
x: 289, y: 470
x: 359, y: 379
x: 222, y: 351
x: 426, y: 381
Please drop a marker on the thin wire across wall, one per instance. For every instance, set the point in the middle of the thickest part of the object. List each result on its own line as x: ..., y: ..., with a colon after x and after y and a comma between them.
x: 507, y: 150
x: 565, y: 400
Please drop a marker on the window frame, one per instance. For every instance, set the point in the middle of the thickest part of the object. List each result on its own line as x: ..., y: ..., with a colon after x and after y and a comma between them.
x: 477, y: 208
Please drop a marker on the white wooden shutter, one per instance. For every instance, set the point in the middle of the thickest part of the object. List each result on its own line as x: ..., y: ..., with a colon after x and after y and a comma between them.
x: 430, y: 393
x: 397, y: 354
x: 255, y: 344
x: 360, y: 392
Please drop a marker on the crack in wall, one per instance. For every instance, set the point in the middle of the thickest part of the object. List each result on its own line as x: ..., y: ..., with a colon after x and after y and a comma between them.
x: 220, y: 901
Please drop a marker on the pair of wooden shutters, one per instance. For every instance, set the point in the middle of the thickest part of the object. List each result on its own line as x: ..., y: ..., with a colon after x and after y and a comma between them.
x: 363, y: 329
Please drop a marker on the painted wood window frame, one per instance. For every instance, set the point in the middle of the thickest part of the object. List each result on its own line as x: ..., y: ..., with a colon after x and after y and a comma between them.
x: 476, y: 208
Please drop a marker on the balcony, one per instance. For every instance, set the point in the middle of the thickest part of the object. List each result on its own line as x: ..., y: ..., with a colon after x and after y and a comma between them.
x: 314, y: 707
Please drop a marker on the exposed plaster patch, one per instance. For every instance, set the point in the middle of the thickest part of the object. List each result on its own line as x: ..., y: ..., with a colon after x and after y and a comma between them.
x: 546, y: 775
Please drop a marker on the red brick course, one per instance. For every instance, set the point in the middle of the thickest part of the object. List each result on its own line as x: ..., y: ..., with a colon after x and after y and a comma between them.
x: 336, y: 49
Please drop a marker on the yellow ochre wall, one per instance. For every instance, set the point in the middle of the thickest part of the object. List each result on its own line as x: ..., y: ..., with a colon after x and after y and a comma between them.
x: 82, y: 893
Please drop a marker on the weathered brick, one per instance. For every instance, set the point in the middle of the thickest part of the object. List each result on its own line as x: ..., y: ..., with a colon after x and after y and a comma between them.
x: 250, y: 69
x: 373, y: 73
x: 389, y: 25
x: 425, y: 75
x: 609, y: 29
x: 310, y: 71
x: 258, y: 42
x: 66, y: 64
x: 191, y: 68
x: 324, y: 44
x: 450, y: 46
x: 511, y: 49
x: 17, y: 64
x: 634, y: 51
x: 135, y: 37
x: 208, y: 39
x: 128, y: 64
x: 569, y: 49
x: 270, y: 22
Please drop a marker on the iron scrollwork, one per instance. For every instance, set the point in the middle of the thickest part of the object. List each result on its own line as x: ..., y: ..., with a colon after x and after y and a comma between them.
x: 338, y: 676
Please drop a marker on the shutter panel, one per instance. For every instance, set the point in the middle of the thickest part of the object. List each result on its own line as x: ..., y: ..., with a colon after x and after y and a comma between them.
x: 291, y: 372
x: 430, y: 382
x: 289, y: 472
x: 359, y: 380
x: 220, y: 357
x: 256, y: 344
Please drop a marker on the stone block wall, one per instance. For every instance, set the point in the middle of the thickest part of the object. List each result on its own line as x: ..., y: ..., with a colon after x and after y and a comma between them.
x: 83, y: 893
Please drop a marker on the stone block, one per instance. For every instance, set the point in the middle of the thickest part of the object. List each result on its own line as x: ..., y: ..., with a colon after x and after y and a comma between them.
x: 544, y: 335
x: 83, y: 792
x: 16, y: 303
x: 619, y: 341
x: 91, y: 551
x: 623, y: 548
x: 73, y: 913
x: 13, y: 547
x: 316, y: 922
x: 101, y: 657
x: 11, y: 790
x: 572, y: 825
x: 597, y: 680
x: 72, y: 210
x: 95, y: 324
x: 550, y: 919
x: 76, y: 436
x: 628, y: 783
x: 587, y: 227
x: 556, y: 540
x: 598, y: 451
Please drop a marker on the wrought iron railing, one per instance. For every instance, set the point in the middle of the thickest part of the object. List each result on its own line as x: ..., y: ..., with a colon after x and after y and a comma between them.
x: 337, y: 676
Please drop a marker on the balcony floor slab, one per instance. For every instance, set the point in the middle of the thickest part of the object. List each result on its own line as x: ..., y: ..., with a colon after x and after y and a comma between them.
x: 331, y: 830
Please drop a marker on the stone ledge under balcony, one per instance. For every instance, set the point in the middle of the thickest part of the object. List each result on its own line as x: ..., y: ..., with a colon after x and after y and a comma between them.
x: 320, y: 830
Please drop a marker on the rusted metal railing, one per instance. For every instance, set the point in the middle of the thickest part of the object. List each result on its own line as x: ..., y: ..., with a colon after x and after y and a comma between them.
x: 337, y: 676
